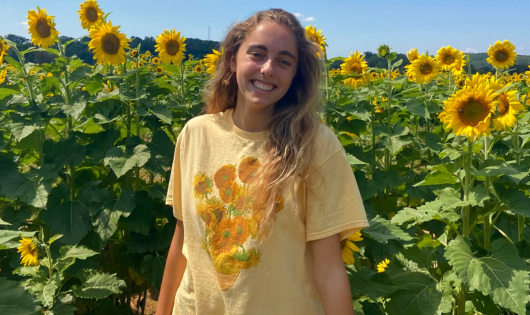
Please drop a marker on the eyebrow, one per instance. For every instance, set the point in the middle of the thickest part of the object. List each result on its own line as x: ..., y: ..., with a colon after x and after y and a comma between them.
x: 282, y: 52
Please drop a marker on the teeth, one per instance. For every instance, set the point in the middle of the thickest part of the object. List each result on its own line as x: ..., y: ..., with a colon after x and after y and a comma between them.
x: 262, y: 86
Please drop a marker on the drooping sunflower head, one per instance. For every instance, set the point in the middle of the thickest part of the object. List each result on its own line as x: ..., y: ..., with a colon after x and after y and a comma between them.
x: 108, y: 43
x: 502, y: 55
x: 469, y: 111
x: 459, y: 67
x: 316, y: 37
x: 508, y: 106
x: 170, y: 47
x: 28, y: 252
x: 90, y: 14
x: 210, y: 60
x: 449, y: 57
x: 198, y: 69
x: 3, y: 50
x: 413, y: 54
x: 41, y: 26
x: 355, y: 64
x: 424, y: 69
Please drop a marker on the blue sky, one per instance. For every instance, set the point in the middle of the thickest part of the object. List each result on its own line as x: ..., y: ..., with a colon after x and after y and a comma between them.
x: 468, y: 25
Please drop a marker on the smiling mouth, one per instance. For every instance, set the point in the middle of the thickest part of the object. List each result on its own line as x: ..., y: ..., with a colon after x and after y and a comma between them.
x: 265, y: 87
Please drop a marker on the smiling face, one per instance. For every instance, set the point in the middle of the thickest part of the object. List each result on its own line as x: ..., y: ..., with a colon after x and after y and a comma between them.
x: 265, y: 65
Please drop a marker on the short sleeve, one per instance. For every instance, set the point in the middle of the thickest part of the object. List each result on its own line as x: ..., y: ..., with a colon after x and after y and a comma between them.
x: 173, y: 197
x: 333, y: 201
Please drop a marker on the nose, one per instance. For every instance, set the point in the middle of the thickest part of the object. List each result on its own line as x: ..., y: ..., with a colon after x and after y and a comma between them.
x: 267, y: 69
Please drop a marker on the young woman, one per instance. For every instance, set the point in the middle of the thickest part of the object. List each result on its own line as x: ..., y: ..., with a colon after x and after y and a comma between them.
x: 262, y: 190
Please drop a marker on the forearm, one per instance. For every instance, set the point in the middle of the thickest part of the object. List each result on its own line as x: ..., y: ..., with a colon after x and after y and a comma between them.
x: 173, y: 272
x: 335, y: 294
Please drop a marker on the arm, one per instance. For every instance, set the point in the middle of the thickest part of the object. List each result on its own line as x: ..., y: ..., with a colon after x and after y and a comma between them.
x: 330, y: 276
x: 173, y: 272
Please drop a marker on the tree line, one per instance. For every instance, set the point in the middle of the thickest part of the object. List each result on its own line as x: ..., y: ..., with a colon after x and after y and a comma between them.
x: 199, y: 48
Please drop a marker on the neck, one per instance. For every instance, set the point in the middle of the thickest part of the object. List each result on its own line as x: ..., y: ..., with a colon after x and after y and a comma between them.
x: 251, y: 119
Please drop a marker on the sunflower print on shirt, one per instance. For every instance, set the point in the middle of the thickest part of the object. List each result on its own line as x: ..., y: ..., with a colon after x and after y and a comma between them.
x: 225, y: 207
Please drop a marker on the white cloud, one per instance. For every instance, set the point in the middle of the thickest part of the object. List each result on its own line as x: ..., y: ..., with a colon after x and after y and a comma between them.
x: 309, y: 19
x: 520, y: 48
x: 25, y: 23
x: 298, y: 14
x: 471, y: 50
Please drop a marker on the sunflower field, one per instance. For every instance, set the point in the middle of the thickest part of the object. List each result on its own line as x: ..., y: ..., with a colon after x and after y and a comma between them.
x: 441, y: 157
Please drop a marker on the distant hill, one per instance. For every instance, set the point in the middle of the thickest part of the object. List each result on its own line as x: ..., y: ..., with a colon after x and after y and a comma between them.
x: 198, y: 48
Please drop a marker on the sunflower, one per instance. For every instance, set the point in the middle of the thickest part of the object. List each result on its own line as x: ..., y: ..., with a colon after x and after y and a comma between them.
x: 170, y: 47
x: 134, y: 53
x: 423, y: 69
x: 90, y: 14
x: 449, y: 57
x: 228, y: 233
x: 374, y: 76
x: 28, y: 252
x: 224, y: 175
x: 248, y: 168
x: 316, y: 37
x: 507, y: 107
x: 211, y: 212
x: 202, y: 62
x: 383, y: 265
x: 348, y: 247
x: 155, y: 60
x: 468, y: 112
x: 42, y: 28
x: 141, y: 64
x: 413, y: 54
x: 202, y: 185
x: 3, y: 50
x: 229, y: 192
x: 198, y: 69
x: 356, y: 64
x: 108, y: 43
x: 502, y: 55
x: 147, y: 53
x: 3, y: 74
x: 210, y: 60
x: 240, y: 230
x: 459, y: 67
x: 159, y: 70
x: 476, y: 80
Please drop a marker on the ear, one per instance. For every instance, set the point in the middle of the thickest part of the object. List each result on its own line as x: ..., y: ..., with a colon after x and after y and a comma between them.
x: 233, y: 65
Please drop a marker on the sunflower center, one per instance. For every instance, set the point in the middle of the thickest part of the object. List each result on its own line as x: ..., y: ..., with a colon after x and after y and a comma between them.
x: 472, y: 113
x: 356, y: 68
x: 1, y: 48
x: 226, y: 234
x: 448, y: 59
x: 110, y: 43
x: 426, y: 69
x: 43, y: 28
x: 501, y: 56
x: 504, y: 105
x: 172, y: 47
x: 92, y: 14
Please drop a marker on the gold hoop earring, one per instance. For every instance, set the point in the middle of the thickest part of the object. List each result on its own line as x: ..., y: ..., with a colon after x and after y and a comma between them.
x: 227, y: 81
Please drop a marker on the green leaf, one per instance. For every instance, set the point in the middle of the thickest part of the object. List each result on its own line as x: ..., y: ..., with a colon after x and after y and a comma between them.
x: 370, y: 283
x: 54, y: 238
x: 355, y: 161
x: 421, y: 256
x: 34, y: 193
x: 495, y: 170
x: 14, y: 300
x: 6, y: 237
x: 163, y: 113
x: 430, y: 211
x: 77, y: 252
x: 97, y: 285
x: 106, y: 221
x: 121, y: 163
x: 433, y: 142
x: 49, y: 291
x: 394, y: 144
x: 21, y: 128
x: 420, y: 295
x: 418, y: 108
x: 517, y: 201
x: 383, y: 230
x: 71, y: 219
x: 6, y: 92
x: 501, y: 275
x: 152, y: 268
x: 437, y: 178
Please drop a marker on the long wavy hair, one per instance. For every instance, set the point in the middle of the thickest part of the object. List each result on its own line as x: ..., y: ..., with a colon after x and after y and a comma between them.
x: 294, y: 121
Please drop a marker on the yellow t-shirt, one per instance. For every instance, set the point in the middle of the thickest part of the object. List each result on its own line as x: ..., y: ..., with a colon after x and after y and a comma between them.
x: 227, y: 273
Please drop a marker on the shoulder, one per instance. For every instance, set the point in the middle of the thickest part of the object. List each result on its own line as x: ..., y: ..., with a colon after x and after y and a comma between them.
x: 202, y: 124
x: 325, y: 145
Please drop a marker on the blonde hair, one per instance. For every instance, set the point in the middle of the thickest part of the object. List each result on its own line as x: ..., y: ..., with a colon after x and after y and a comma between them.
x: 294, y: 121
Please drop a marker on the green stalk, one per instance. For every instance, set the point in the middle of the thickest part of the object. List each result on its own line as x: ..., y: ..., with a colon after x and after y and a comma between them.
x: 467, y: 187
x: 373, y: 139
x: 487, y: 218
x: 50, y: 269
x: 461, y: 301
x: 136, y: 116
x: 387, y: 152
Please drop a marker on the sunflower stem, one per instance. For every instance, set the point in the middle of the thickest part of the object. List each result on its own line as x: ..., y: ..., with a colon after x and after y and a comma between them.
x: 136, y: 116
x: 50, y: 268
x: 467, y: 187
x: 487, y: 218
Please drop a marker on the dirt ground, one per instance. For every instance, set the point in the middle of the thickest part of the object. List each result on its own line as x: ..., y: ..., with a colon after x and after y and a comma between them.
x: 150, y: 307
